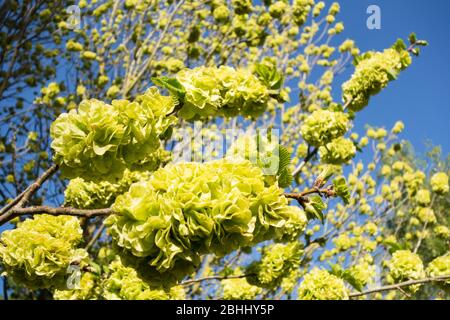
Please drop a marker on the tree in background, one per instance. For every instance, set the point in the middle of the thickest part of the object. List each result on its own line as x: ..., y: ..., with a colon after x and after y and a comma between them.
x: 115, y: 183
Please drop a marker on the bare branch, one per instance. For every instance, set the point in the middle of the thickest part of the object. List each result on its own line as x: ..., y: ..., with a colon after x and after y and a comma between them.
x: 54, y: 212
x: 400, y: 285
x: 31, y: 190
x: 305, y: 161
x: 192, y: 281
x: 301, y: 196
x: 25, y: 195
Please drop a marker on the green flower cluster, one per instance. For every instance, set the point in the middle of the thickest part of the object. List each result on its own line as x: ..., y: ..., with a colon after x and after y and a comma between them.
x: 39, y: 251
x: 373, y: 72
x: 338, y: 151
x: 426, y: 215
x: 405, y: 265
x: 225, y: 91
x: 98, y: 141
x: 423, y: 197
x: 278, y: 261
x: 124, y: 283
x: 239, y: 289
x: 188, y: 209
x: 88, y: 289
x: 300, y: 10
x: 363, y: 273
x: 440, y: 266
x: 321, y: 285
x: 323, y: 126
x: 95, y: 195
x: 439, y: 183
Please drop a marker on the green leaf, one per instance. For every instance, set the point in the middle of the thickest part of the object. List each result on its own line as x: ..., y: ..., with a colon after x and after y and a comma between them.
x: 269, y: 76
x: 393, y: 246
x: 346, y: 276
x: 416, y: 51
x: 285, y: 158
x: 422, y: 43
x: 323, y: 176
x: 285, y: 178
x: 341, y: 189
x: 392, y: 74
x: 284, y: 174
x: 314, y: 208
x: 171, y: 84
x: 399, y: 45
x: 412, y: 38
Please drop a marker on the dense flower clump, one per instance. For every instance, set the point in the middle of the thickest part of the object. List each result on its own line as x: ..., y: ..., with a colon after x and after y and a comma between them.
x: 99, y: 140
x: 189, y: 209
x: 322, y: 126
x: 88, y: 289
x: 278, y: 261
x: 124, y: 283
x: 321, y: 285
x: 440, y: 267
x: 212, y: 91
x: 373, y: 72
x: 239, y: 289
x: 120, y: 282
x: 439, y: 183
x: 405, y: 265
x: 338, y: 151
x: 39, y: 251
x: 95, y: 195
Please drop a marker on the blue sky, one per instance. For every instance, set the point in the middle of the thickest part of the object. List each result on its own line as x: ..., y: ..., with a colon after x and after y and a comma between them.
x: 421, y: 95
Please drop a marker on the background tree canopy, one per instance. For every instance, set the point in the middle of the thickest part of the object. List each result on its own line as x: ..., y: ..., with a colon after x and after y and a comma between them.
x: 116, y: 184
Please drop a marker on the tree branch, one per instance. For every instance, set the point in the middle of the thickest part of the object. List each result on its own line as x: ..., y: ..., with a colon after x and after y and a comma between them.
x: 192, y: 281
x: 305, y: 161
x: 301, y: 196
x: 19, y: 201
x: 400, y: 285
x: 31, y: 190
x: 25, y: 195
x: 54, y: 212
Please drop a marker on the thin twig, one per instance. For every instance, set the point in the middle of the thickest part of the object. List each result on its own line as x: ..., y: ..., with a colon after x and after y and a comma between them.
x: 19, y: 201
x: 31, y: 190
x: 95, y: 237
x: 54, y: 212
x: 188, y: 282
x: 397, y: 286
x: 305, y: 161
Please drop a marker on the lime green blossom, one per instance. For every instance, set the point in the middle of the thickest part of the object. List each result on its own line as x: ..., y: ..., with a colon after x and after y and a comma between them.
x: 439, y: 183
x: 373, y: 72
x: 239, y: 289
x: 321, y: 285
x: 442, y: 231
x: 124, y: 283
x: 278, y: 261
x: 225, y: 91
x: 338, y: 151
x: 405, y: 265
x: 440, y: 266
x: 188, y: 209
x: 39, y: 251
x: 99, y: 141
x: 426, y: 215
x: 95, y: 195
x: 322, y: 126
x: 363, y: 273
x: 88, y: 289
x: 423, y: 197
